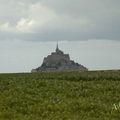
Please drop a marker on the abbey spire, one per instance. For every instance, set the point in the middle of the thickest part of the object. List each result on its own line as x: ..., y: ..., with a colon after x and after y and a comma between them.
x: 57, y: 49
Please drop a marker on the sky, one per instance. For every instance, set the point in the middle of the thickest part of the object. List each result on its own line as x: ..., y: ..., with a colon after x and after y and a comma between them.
x: 88, y: 30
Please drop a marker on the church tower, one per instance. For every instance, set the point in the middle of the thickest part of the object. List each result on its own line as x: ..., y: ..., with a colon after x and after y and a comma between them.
x: 57, y: 49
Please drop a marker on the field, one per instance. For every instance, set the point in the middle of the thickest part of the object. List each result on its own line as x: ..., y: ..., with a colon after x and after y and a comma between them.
x: 60, y: 96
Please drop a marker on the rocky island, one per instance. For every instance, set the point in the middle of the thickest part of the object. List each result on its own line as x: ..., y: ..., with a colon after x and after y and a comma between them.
x: 58, y: 61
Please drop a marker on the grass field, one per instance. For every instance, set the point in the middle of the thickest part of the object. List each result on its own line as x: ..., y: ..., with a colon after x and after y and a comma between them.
x: 60, y: 96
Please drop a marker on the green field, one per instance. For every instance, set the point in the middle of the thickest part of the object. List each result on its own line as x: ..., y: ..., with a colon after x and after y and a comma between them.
x: 60, y: 96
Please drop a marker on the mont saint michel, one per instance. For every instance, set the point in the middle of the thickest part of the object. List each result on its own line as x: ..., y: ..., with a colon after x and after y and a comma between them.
x: 58, y: 61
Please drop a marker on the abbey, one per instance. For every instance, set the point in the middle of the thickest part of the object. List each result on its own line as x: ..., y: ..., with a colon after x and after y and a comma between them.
x: 58, y: 61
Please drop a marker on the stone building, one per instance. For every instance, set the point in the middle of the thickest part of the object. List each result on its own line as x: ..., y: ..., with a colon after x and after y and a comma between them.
x: 58, y: 61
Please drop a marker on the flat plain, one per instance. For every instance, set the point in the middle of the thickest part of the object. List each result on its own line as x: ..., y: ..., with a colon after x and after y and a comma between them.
x: 93, y: 95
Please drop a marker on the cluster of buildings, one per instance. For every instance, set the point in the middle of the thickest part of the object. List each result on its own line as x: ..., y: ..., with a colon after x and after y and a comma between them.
x: 58, y: 61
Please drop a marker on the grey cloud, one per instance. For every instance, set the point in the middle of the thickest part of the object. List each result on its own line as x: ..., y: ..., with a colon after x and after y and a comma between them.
x: 76, y: 19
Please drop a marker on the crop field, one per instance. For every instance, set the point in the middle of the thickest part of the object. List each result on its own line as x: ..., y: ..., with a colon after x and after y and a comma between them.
x: 91, y: 95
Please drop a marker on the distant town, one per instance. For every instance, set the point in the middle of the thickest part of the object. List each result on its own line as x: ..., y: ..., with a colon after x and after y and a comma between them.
x: 58, y: 61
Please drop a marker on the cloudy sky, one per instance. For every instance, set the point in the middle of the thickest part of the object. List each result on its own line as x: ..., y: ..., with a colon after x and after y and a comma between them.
x: 87, y: 29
